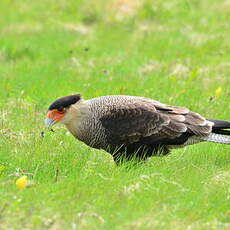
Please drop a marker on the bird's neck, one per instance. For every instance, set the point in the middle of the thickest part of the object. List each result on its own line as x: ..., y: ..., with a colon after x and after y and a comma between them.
x: 75, y: 116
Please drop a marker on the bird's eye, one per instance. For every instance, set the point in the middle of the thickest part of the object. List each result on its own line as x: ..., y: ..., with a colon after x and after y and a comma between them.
x: 61, y: 109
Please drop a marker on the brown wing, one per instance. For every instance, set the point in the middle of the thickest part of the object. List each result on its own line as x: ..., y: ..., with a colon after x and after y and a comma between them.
x: 135, y: 119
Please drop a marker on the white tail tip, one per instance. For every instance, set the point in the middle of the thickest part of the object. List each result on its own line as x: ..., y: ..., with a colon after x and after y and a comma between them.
x: 217, y: 138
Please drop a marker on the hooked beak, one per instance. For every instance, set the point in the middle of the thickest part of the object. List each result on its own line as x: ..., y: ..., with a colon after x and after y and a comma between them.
x: 53, y: 116
x: 49, y: 122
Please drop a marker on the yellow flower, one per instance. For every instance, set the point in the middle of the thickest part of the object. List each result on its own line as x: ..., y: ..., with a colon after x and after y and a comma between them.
x: 218, y: 91
x: 22, y: 182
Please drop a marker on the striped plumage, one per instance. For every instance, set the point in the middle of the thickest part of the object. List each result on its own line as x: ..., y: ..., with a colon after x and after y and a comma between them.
x: 128, y: 125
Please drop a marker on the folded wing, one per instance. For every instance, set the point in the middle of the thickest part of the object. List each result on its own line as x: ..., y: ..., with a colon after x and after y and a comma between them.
x: 139, y: 118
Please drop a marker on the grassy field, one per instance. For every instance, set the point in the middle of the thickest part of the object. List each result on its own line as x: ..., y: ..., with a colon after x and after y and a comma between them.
x: 174, y: 51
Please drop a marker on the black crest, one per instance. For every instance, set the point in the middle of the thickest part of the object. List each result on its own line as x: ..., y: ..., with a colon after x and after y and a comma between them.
x: 64, y: 102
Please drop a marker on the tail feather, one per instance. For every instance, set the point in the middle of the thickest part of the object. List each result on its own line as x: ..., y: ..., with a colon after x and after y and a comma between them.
x: 221, y: 127
x: 217, y: 138
x: 220, y: 132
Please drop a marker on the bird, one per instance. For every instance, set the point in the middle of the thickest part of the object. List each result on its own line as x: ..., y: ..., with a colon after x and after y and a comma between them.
x: 134, y: 127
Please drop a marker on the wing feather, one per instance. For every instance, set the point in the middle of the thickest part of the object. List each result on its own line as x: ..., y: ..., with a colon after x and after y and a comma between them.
x: 139, y: 117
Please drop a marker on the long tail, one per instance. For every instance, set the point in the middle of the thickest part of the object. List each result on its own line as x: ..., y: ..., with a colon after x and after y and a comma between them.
x: 220, y: 132
x: 221, y: 127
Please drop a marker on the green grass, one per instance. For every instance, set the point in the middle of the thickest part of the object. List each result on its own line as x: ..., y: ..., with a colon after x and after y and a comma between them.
x: 174, y: 51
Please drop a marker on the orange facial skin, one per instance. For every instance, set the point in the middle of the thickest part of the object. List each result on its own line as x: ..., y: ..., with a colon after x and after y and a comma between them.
x: 55, y: 115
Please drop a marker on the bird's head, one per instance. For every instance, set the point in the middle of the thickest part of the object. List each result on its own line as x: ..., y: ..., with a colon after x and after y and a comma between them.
x: 58, y: 110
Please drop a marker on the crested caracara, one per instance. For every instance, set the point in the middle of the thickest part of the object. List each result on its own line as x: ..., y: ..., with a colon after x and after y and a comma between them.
x: 128, y: 126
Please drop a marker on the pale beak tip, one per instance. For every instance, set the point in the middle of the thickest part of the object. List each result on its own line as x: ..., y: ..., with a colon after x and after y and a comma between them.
x: 49, y: 122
